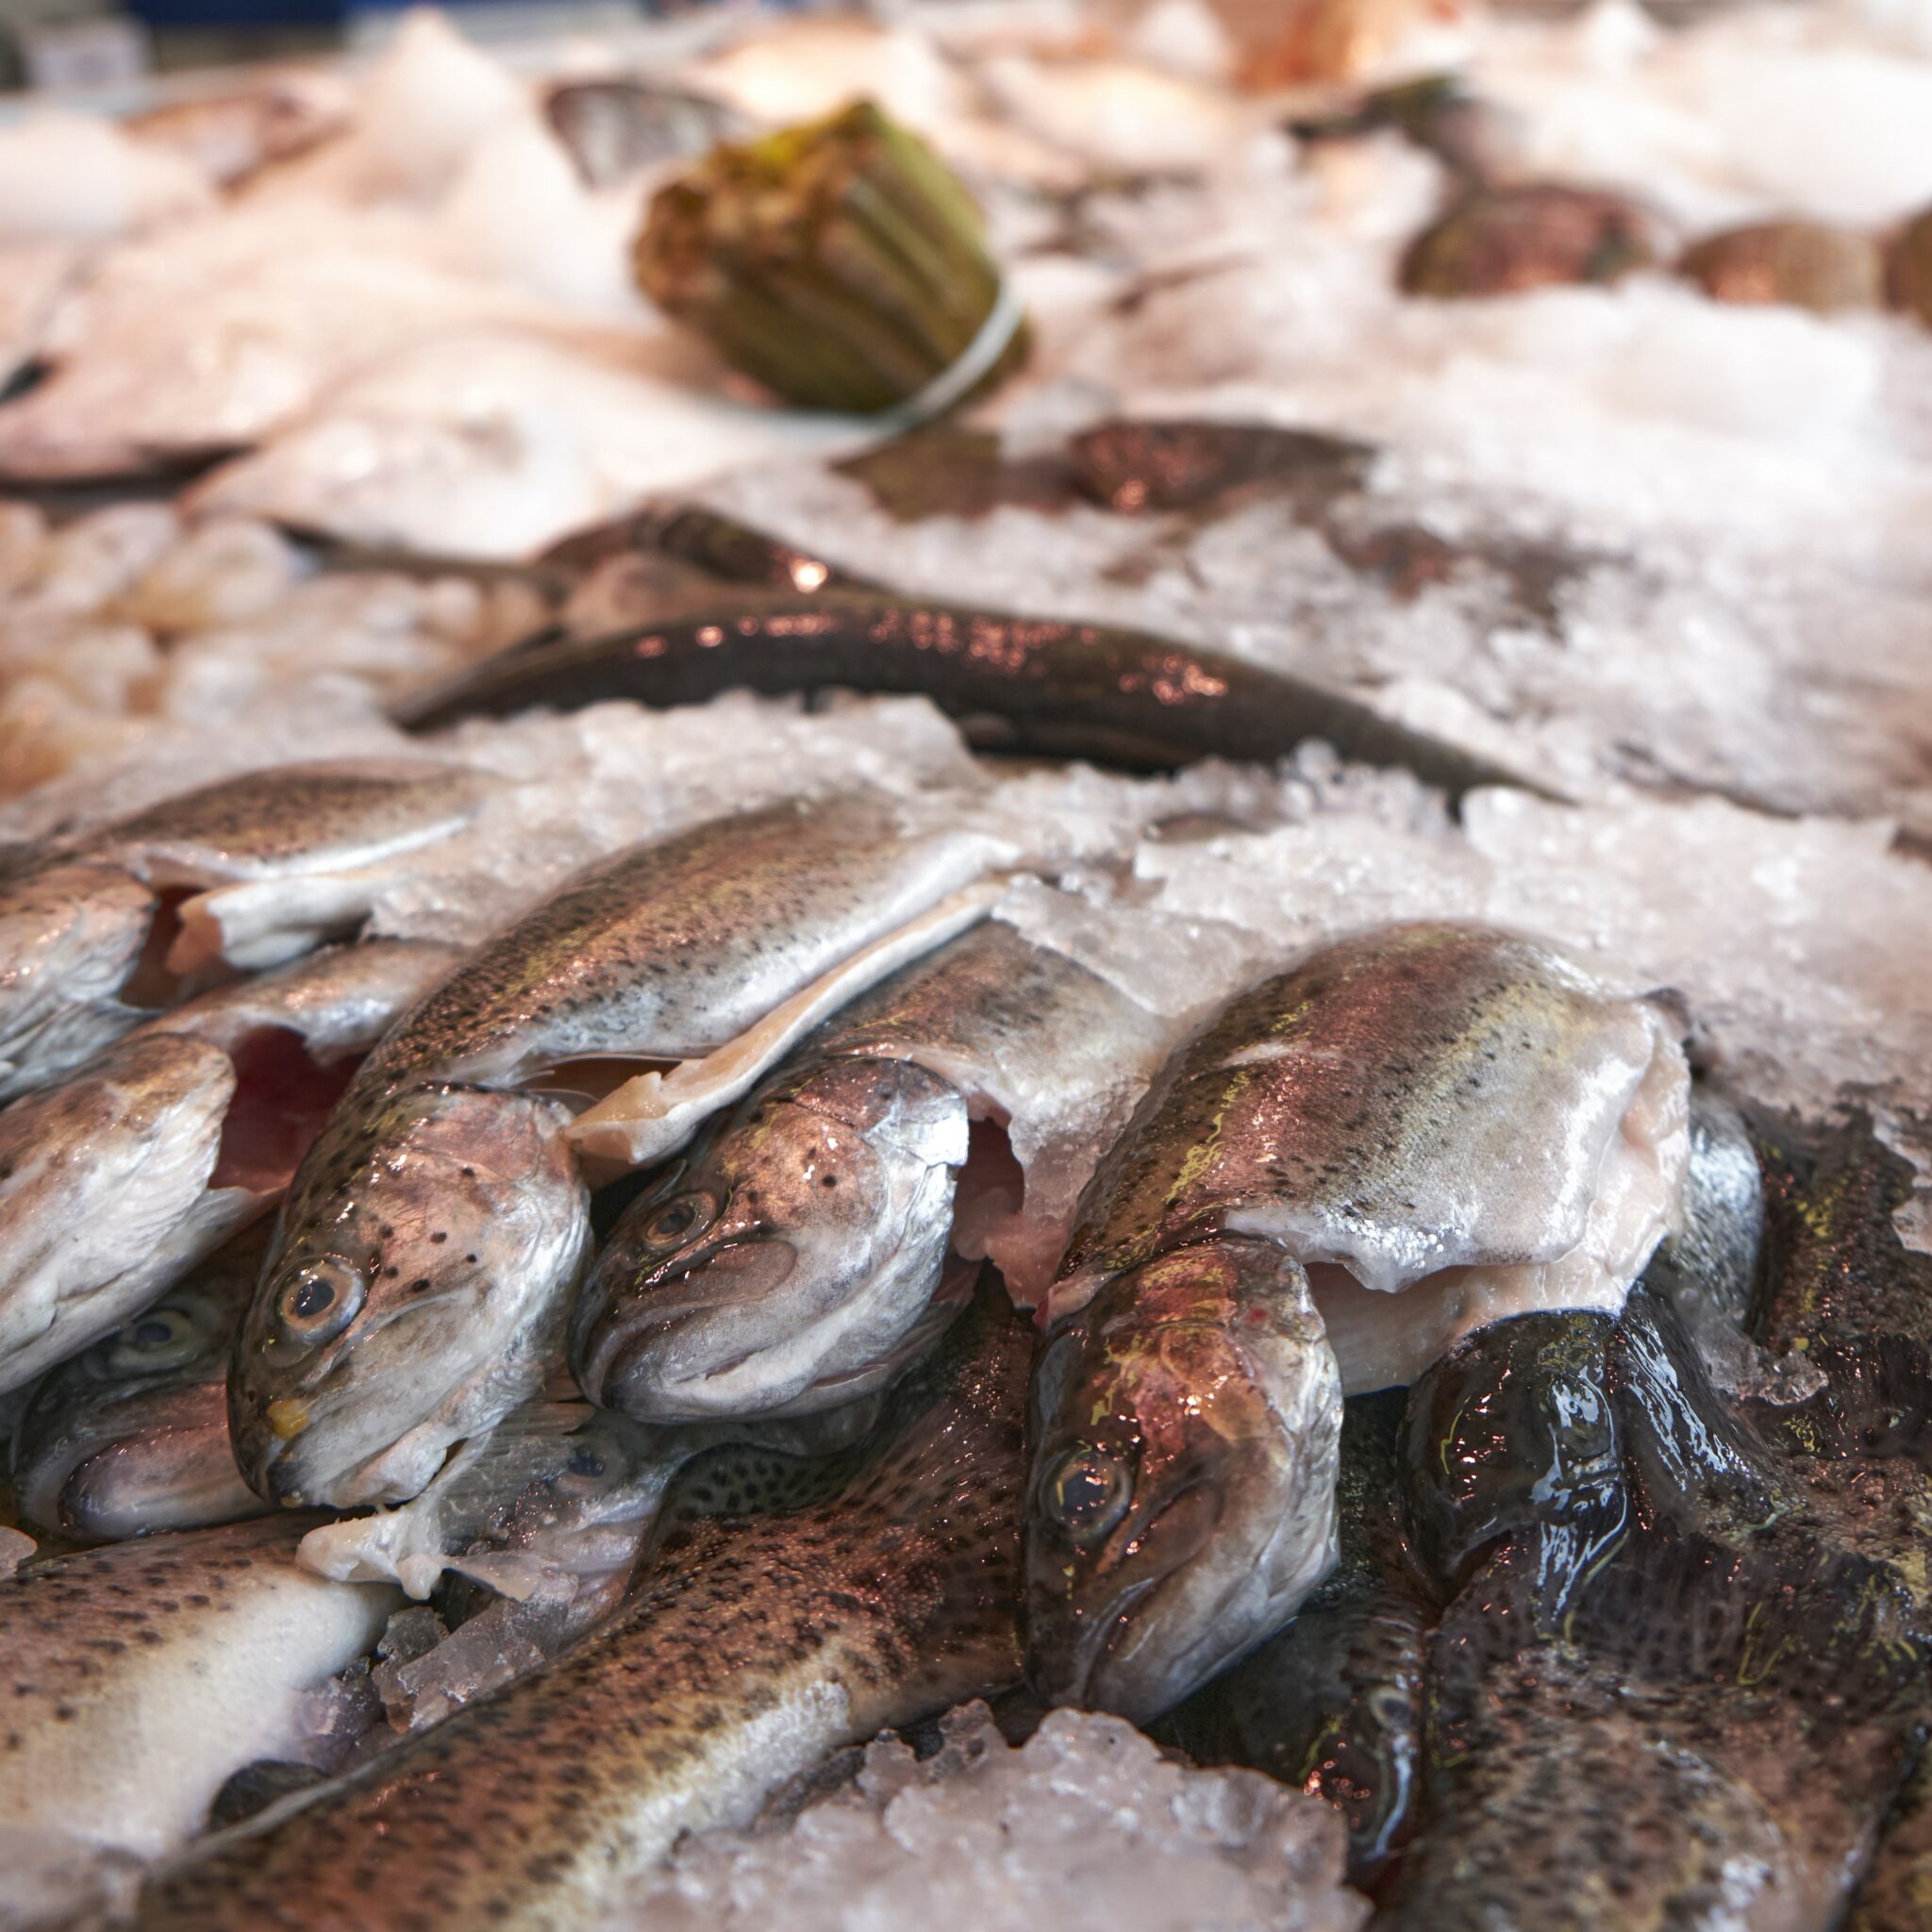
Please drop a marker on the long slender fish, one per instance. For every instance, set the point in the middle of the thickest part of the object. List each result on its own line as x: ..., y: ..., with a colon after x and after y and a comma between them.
x: 1452, y: 1112
x: 793, y: 1248
x: 118, y: 1180
x: 98, y: 931
x: 755, y: 1646
x: 131, y: 1436
x: 1043, y: 686
x: 140, y: 1675
x: 432, y: 1238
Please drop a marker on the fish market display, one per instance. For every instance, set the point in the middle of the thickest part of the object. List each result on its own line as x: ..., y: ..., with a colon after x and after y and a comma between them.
x: 970, y: 968
x: 797, y: 1247
x: 756, y: 1646
x: 423, y: 1266
x: 147, y: 1158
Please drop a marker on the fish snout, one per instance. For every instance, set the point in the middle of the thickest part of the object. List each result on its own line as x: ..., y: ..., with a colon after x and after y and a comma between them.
x: 645, y: 1346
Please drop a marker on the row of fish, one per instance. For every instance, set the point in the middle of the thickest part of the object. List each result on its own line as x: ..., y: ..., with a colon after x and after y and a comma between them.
x: 809, y: 1027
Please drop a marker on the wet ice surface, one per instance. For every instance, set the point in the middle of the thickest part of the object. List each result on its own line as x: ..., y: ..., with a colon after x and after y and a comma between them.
x: 1085, y: 1827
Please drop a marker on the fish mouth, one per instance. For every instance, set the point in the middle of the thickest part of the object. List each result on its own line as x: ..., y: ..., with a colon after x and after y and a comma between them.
x: 1099, y: 1668
x: 629, y: 1360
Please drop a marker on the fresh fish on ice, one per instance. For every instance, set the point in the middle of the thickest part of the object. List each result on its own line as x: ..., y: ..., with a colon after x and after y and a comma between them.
x: 797, y: 1243
x: 97, y: 931
x: 757, y: 1645
x: 435, y: 1232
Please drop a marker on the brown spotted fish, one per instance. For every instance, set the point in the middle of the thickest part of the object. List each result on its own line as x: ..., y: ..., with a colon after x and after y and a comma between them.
x: 98, y: 931
x: 417, y: 1288
x: 756, y: 1645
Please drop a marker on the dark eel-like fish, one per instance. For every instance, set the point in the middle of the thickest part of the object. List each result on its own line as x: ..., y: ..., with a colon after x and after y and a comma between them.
x: 756, y: 1645
x: 1039, y: 687
x: 1683, y: 1684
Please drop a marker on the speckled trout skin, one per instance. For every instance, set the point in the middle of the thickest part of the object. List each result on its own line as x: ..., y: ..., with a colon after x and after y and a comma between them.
x: 119, y: 1180
x: 77, y: 920
x: 139, y: 1676
x: 1421, y: 1098
x: 434, y: 1235
x: 757, y: 1645
x: 798, y: 1242
x: 131, y: 1436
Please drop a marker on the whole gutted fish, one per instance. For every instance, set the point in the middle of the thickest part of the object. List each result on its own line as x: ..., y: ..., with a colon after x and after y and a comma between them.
x: 798, y: 1245
x: 140, y: 1675
x: 1442, y: 1124
x: 1182, y: 1499
x: 131, y: 1436
x: 1045, y: 686
x: 1447, y: 1113
x: 98, y: 931
x: 757, y: 1645
x: 420, y: 1276
x: 117, y: 1181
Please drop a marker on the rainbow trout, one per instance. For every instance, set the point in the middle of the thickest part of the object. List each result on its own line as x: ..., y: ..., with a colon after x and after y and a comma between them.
x: 754, y: 1646
x: 98, y: 931
x: 417, y: 1288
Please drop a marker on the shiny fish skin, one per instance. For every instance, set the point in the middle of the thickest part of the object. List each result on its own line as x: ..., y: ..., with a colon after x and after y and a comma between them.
x: 75, y: 919
x: 1042, y: 686
x: 1184, y: 1430
x: 804, y: 1236
x: 671, y: 948
x: 105, y: 1178
x: 131, y: 1436
x: 140, y: 1675
x: 755, y: 1646
x: 433, y: 1237
x: 1447, y: 1111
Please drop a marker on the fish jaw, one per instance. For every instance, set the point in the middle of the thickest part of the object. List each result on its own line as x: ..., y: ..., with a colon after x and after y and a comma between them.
x: 174, y: 1470
x: 1182, y: 1497
x: 71, y: 937
x: 443, y: 1229
x: 113, y: 1164
x: 819, y: 1216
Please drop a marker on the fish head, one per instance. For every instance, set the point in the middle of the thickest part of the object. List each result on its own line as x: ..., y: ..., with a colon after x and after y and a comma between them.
x: 70, y: 938
x: 791, y: 1247
x: 414, y: 1285
x: 1181, y: 1501
x: 132, y: 1433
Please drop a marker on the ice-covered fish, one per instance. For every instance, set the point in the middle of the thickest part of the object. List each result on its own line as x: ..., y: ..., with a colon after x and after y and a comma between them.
x: 1454, y: 1114
x: 117, y: 1181
x: 1182, y: 1500
x: 1048, y: 686
x: 131, y: 1436
x: 99, y: 930
x: 434, y: 1234
x: 140, y: 1675
x: 757, y: 1645
x: 794, y: 1248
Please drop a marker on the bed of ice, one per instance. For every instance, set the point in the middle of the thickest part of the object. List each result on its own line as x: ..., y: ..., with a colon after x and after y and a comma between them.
x: 1085, y: 1827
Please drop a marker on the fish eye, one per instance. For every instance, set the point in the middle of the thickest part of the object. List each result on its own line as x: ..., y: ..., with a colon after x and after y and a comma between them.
x: 585, y: 1468
x: 1089, y: 1493
x: 162, y: 1339
x: 320, y: 1302
x: 673, y: 1223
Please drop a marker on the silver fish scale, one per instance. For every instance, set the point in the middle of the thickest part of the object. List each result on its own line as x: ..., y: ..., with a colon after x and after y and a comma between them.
x: 670, y: 949
x: 1420, y: 1097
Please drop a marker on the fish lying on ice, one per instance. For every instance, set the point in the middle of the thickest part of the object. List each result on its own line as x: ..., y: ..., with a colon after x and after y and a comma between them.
x: 793, y: 1248
x: 142, y: 1675
x: 1042, y: 686
x: 96, y: 932
x: 1447, y: 1114
x: 432, y: 1238
x: 131, y: 1436
x: 116, y: 1182
x: 757, y: 1645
